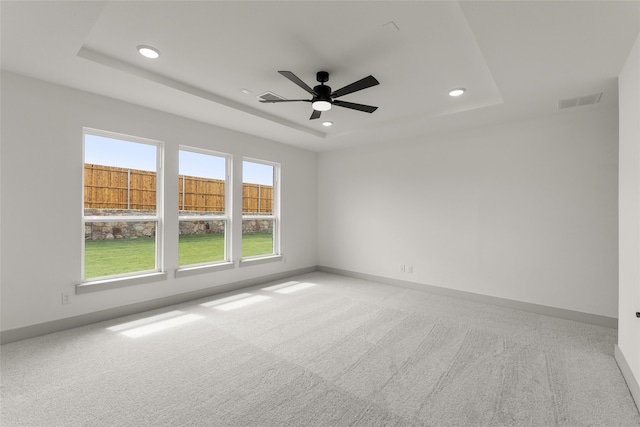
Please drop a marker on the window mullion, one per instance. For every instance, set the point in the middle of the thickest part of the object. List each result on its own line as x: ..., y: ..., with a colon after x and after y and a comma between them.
x: 121, y: 218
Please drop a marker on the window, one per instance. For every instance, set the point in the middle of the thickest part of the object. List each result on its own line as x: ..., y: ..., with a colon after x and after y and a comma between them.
x: 260, y: 213
x: 202, y: 190
x: 121, y: 215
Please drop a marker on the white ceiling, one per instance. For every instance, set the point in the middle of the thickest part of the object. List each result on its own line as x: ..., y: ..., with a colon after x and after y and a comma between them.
x: 516, y: 59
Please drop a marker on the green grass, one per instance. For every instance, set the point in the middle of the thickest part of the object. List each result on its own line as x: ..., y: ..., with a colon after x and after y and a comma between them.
x: 257, y: 244
x: 120, y: 256
x: 195, y: 249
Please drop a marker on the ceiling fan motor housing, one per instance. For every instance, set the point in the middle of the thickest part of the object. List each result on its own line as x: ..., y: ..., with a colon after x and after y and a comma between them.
x: 323, y: 92
x: 322, y: 76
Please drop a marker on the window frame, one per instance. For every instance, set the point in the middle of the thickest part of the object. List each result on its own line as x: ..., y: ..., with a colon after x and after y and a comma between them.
x: 275, y: 255
x: 189, y: 269
x: 137, y: 277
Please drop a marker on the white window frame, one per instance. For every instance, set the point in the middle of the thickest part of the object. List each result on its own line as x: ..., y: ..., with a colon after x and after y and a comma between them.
x: 275, y: 217
x: 137, y: 277
x: 226, y: 263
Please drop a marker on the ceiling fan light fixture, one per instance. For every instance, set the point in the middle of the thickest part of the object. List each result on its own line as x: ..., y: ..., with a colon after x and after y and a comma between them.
x: 457, y: 91
x: 321, y: 105
x: 323, y: 97
x: 148, y: 52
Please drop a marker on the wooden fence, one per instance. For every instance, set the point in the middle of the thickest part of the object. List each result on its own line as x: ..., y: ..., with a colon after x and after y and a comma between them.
x: 257, y: 198
x: 107, y: 187
x: 200, y: 194
x: 119, y: 188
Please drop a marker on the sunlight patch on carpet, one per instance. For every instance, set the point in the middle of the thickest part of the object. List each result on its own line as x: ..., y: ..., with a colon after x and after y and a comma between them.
x: 241, y: 303
x: 149, y: 325
x: 295, y: 288
x: 225, y: 300
x: 145, y: 321
x: 280, y: 286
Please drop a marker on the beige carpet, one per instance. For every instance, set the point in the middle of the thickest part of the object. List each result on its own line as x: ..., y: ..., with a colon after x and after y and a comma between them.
x: 319, y: 350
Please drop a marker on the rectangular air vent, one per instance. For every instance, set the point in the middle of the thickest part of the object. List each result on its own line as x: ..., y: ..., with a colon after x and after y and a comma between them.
x: 270, y: 96
x: 580, y: 101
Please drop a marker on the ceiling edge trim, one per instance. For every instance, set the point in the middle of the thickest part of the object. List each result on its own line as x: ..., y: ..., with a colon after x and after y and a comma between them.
x: 111, y: 62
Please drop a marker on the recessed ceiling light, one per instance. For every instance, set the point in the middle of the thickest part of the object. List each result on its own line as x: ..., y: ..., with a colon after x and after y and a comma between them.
x: 148, y: 51
x: 246, y: 91
x: 457, y: 92
x: 327, y: 124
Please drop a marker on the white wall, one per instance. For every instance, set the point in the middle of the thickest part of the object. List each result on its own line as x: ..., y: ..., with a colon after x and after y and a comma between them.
x: 525, y: 211
x: 41, y: 174
x: 629, y: 187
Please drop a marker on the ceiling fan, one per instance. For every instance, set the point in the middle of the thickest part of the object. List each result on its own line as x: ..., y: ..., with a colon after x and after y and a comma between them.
x: 323, y: 98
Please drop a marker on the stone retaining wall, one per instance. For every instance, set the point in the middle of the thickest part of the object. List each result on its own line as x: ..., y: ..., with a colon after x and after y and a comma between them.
x: 108, y: 230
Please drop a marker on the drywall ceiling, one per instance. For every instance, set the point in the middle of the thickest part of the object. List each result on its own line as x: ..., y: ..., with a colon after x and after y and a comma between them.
x: 516, y: 59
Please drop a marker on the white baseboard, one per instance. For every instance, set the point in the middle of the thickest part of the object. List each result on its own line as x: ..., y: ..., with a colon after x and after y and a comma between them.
x: 578, y: 316
x: 632, y: 382
x: 39, y: 329
x: 31, y: 331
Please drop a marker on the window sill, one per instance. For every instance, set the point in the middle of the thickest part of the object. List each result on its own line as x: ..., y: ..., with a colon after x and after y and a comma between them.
x: 203, y: 269
x: 247, y: 262
x: 120, y: 282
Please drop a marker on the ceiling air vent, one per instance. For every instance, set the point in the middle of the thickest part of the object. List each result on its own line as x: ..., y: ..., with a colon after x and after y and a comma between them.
x: 563, y: 104
x: 270, y: 96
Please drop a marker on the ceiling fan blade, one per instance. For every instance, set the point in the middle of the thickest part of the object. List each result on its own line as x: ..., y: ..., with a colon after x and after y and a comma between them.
x: 356, y: 86
x: 296, y: 80
x: 315, y: 115
x: 359, y: 107
x: 271, y: 101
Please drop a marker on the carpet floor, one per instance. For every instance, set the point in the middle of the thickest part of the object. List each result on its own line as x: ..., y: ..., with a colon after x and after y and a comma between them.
x: 319, y: 350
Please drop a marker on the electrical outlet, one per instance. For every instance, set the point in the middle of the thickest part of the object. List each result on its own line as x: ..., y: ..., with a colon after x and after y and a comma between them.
x: 402, y: 268
x: 66, y: 298
x: 410, y: 269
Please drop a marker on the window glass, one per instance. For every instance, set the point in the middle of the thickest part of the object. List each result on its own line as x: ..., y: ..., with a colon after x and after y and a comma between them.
x: 202, y: 187
x: 259, y: 213
x: 120, y: 214
x: 110, y: 249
